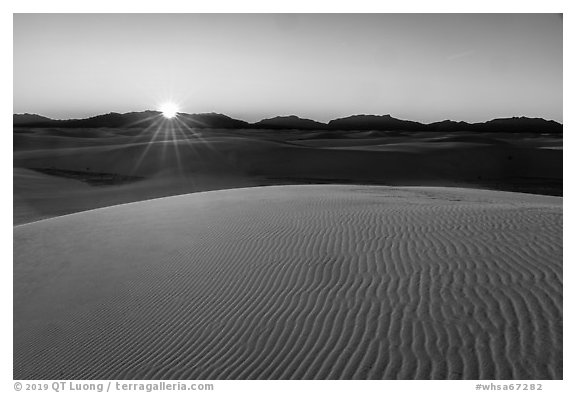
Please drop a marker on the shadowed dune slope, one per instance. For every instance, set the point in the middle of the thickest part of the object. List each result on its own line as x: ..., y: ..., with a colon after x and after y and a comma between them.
x: 310, y: 282
x: 148, y: 163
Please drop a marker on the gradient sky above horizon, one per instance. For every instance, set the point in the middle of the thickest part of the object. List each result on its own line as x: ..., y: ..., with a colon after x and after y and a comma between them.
x: 423, y: 67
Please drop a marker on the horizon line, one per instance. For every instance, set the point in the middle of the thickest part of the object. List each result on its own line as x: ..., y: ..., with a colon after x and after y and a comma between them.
x: 290, y: 115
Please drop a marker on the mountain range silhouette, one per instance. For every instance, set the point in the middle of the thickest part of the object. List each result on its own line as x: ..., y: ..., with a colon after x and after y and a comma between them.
x: 355, y: 122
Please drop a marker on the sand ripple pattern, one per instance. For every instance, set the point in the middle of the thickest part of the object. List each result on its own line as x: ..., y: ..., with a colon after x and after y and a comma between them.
x: 294, y: 282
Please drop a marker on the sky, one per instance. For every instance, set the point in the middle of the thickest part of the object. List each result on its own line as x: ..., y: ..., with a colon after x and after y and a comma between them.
x: 422, y: 67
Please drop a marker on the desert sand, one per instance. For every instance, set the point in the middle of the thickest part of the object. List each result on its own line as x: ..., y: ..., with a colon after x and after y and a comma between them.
x: 63, y: 171
x: 290, y: 282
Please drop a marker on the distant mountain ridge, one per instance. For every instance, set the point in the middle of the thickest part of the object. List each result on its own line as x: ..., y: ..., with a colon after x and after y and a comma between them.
x: 375, y: 122
x: 354, y: 122
x: 289, y: 122
x: 29, y: 118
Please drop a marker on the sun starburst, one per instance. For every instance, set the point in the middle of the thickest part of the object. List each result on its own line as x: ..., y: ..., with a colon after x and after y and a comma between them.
x: 169, y: 110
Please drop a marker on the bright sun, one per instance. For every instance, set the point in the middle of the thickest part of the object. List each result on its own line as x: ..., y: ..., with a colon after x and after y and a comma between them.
x: 169, y: 110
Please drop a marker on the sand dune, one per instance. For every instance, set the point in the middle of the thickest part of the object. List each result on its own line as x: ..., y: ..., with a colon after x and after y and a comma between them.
x: 308, y: 282
x: 38, y: 196
x: 176, y: 161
